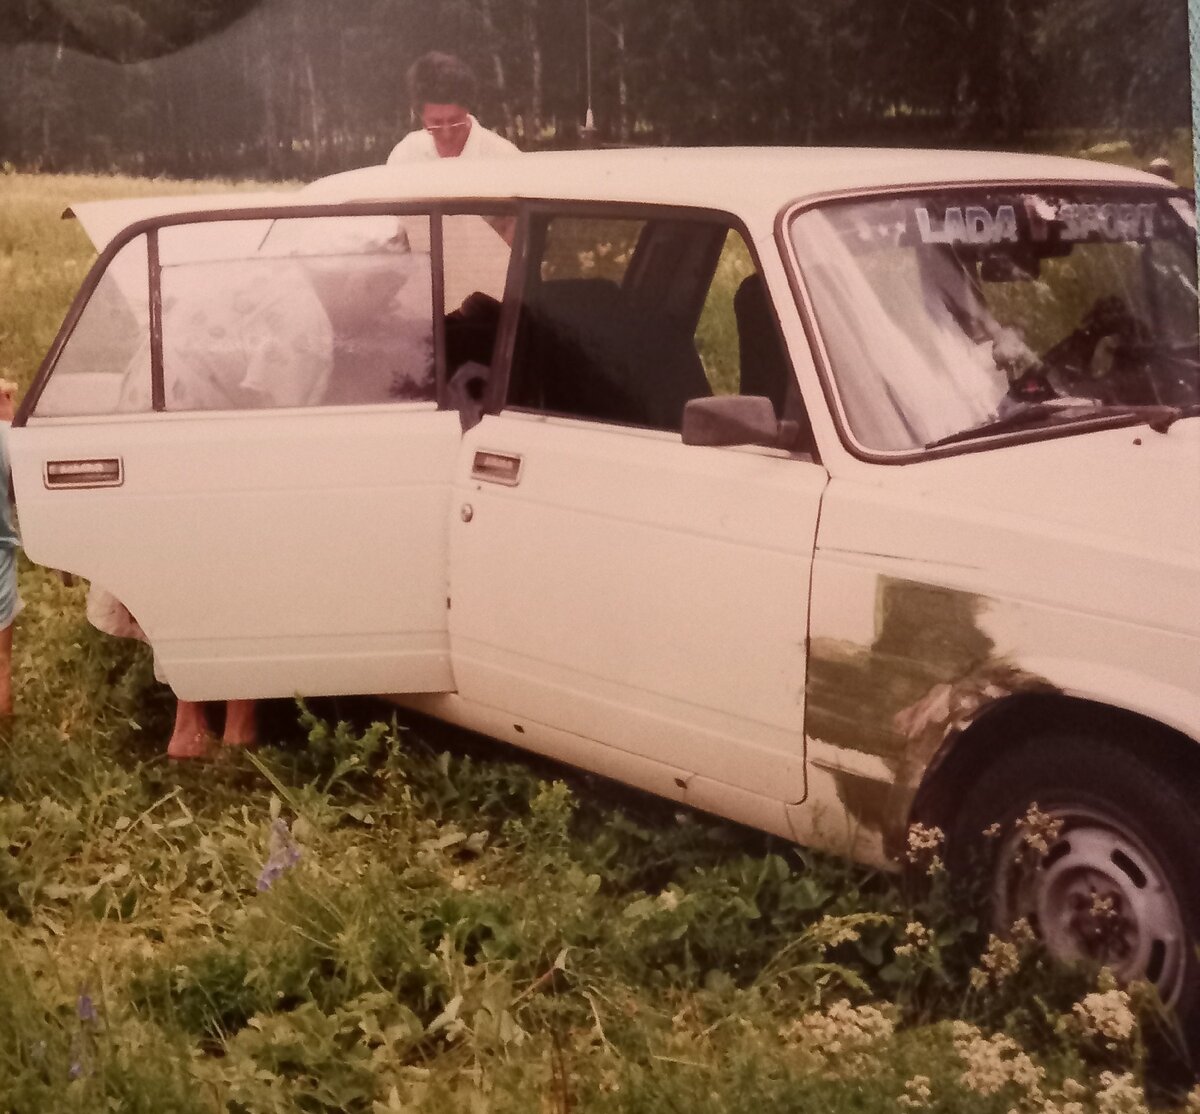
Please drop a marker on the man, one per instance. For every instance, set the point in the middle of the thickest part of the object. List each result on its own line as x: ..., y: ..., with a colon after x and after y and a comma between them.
x: 442, y: 90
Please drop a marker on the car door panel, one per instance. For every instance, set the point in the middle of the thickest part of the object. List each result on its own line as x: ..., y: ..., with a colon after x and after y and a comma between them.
x: 263, y: 553
x: 646, y: 594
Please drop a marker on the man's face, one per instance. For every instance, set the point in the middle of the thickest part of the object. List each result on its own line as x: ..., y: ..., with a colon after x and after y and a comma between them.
x: 449, y: 124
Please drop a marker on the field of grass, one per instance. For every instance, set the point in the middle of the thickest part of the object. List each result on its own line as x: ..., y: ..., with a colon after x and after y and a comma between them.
x: 373, y: 914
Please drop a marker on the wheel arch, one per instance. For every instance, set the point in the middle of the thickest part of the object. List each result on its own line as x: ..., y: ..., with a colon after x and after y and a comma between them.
x: 967, y: 755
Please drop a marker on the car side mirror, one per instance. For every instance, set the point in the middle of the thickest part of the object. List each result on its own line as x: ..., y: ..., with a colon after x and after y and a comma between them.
x: 736, y: 420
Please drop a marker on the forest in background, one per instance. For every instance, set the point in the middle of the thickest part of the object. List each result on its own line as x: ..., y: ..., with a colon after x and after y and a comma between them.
x: 298, y: 88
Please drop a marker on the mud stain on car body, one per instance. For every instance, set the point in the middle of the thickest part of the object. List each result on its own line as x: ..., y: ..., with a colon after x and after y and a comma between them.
x: 889, y: 707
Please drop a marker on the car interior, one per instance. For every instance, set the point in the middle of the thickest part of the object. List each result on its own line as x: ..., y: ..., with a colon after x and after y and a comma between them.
x: 624, y: 350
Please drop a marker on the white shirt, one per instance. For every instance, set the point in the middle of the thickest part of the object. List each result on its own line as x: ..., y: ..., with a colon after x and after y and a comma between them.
x: 481, y: 143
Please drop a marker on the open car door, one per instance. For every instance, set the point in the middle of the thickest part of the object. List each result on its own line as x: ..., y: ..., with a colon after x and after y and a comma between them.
x: 236, y: 435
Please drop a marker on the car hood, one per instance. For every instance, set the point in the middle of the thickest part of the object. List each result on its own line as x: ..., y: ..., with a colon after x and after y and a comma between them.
x: 1132, y: 485
x: 1104, y: 521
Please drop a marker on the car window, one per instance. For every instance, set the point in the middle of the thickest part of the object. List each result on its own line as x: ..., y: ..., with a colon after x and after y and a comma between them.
x: 627, y: 319
x: 717, y: 333
x: 290, y: 312
x: 475, y: 252
x: 951, y: 313
x: 588, y: 248
x: 322, y: 310
x: 109, y: 344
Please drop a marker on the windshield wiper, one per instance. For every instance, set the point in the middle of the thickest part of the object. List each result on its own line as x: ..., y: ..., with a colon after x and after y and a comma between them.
x: 1173, y: 414
x: 1034, y: 412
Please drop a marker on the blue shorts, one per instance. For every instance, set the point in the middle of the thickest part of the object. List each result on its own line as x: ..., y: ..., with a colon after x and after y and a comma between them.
x: 10, y: 601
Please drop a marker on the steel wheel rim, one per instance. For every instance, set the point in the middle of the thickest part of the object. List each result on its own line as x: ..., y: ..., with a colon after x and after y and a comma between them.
x: 1097, y: 895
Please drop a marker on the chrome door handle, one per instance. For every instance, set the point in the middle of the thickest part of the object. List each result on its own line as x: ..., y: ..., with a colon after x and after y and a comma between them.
x: 91, y: 472
x: 497, y: 468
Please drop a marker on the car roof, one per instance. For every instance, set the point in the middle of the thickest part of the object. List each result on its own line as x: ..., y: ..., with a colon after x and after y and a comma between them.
x: 738, y: 178
x: 752, y: 182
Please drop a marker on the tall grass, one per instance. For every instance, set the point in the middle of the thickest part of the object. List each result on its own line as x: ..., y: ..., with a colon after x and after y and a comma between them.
x: 373, y: 914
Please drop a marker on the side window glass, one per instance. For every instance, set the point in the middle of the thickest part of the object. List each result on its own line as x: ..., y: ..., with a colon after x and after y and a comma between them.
x: 719, y: 332
x: 109, y: 346
x: 294, y: 312
x: 595, y: 250
x: 611, y: 312
x: 475, y: 251
x: 627, y: 320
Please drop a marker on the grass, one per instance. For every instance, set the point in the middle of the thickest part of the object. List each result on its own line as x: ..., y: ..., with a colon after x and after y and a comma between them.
x: 375, y: 914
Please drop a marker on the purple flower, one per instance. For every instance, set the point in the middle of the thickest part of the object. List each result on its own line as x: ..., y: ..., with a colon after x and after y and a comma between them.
x: 85, y: 1008
x: 282, y: 856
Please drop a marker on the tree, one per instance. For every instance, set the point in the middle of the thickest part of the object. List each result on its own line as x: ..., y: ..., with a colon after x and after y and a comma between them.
x: 118, y: 30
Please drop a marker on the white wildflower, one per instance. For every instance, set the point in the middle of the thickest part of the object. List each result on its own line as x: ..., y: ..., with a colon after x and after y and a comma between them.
x: 1039, y: 830
x: 916, y: 937
x: 1119, y: 1094
x: 1107, y: 1015
x: 1066, y: 1107
x: 832, y: 931
x: 996, y: 1062
x: 924, y: 843
x: 922, y: 840
x: 841, y: 1038
x: 1001, y: 958
x: 917, y: 1093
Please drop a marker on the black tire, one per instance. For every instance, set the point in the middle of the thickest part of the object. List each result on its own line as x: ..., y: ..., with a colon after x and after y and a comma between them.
x: 1128, y: 833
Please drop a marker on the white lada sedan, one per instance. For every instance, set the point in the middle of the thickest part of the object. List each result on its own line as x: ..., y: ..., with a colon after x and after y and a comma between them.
x: 824, y: 490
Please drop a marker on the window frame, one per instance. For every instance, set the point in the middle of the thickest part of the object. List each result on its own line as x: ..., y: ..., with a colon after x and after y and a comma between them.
x: 525, y: 259
x: 433, y: 209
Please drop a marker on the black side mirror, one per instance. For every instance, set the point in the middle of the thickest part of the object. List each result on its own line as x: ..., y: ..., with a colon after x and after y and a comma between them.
x: 736, y: 420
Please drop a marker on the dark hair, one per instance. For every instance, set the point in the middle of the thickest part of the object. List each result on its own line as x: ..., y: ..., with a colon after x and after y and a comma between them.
x: 437, y: 78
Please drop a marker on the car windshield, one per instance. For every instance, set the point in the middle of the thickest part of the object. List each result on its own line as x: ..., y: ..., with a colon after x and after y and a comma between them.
x: 956, y: 313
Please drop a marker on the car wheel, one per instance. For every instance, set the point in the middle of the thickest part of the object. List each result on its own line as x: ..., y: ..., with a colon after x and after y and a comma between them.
x: 1104, y: 869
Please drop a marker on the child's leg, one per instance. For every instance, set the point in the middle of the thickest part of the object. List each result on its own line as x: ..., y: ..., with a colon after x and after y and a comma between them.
x: 240, y: 728
x: 190, y: 739
x: 6, y: 643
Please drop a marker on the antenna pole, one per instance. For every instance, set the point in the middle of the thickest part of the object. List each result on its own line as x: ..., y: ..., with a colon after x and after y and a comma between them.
x: 588, y: 135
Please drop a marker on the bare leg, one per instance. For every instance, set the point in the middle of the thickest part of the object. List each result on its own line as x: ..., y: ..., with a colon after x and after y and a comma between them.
x: 6, y: 642
x: 190, y: 739
x: 240, y: 728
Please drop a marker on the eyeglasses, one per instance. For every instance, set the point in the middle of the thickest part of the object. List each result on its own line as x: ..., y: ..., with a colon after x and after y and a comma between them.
x: 433, y: 128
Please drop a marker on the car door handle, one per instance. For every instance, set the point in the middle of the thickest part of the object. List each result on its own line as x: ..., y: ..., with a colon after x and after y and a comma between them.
x: 497, y: 468
x: 91, y: 472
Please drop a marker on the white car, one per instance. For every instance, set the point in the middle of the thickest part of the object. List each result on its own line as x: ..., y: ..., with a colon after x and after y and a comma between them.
x: 827, y: 490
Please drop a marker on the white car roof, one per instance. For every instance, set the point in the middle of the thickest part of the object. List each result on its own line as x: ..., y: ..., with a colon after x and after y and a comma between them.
x: 752, y: 182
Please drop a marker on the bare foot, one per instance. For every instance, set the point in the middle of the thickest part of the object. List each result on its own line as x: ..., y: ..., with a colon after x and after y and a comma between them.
x: 240, y: 727
x: 191, y: 737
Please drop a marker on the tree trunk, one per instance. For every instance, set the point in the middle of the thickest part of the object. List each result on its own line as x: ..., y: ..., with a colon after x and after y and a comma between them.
x: 623, y: 122
x: 537, y: 111
x: 489, y: 29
